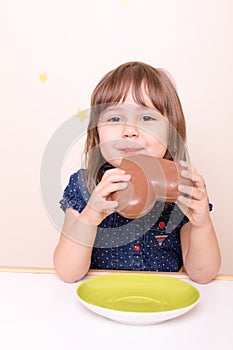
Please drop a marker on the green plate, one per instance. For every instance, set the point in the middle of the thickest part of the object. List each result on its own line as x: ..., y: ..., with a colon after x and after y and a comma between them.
x: 133, y: 293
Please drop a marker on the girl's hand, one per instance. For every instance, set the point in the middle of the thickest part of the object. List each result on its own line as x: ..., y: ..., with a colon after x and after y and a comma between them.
x: 193, y: 201
x: 100, y: 204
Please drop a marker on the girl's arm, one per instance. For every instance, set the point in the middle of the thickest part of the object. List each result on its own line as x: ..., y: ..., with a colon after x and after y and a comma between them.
x: 72, y: 256
x: 201, y: 253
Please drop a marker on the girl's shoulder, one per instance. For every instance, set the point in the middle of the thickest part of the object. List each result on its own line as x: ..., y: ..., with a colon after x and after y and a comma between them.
x: 75, y: 194
x: 77, y: 179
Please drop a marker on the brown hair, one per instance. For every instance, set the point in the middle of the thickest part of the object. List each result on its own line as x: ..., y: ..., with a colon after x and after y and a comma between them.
x: 113, y: 88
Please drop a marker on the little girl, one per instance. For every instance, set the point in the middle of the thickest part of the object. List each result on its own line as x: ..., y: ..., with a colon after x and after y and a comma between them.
x: 135, y: 109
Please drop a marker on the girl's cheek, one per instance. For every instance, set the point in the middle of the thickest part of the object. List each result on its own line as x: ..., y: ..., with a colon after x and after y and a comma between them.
x: 157, y: 131
x: 161, y: 133
x: 109, y: 153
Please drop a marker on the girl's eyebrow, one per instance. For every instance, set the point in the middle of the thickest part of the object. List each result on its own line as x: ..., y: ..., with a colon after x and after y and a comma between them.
x: 153, y: 111
x: 122, y: 107
x: 148, y: 109
x: 113, y: 109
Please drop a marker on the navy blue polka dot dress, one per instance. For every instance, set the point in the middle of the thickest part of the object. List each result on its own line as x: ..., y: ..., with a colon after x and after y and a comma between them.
x: 149, y: 243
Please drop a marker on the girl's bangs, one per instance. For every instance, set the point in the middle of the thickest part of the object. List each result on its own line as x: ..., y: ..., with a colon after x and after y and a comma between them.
x: 152, y: 91
x: 139, y: 88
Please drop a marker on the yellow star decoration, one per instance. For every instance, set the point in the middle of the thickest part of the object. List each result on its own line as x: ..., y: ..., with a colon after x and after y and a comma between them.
x: 82, y: 115
x: 43, y: 77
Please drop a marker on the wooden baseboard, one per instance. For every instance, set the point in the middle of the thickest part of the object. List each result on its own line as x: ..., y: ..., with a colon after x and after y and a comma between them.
x: 50, y: 270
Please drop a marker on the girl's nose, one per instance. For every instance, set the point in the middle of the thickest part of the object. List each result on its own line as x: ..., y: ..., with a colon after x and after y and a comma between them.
x: 130, y: 131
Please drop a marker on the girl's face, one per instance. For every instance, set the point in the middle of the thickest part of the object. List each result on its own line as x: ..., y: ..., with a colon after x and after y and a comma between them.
x: 129, y: 128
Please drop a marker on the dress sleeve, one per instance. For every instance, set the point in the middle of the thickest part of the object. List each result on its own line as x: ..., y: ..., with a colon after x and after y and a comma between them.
x: 75, y: 194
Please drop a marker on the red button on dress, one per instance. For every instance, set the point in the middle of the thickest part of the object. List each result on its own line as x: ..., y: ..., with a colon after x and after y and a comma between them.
x: 161, y: 224
x: 137, y: 248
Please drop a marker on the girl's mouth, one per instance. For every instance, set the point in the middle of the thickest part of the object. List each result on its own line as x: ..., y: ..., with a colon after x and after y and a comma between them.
x: 130, y: 150
x: 128, y: 147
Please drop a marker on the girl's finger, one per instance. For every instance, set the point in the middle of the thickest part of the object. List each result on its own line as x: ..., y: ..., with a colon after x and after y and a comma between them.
x: 108, y: 205
x: 193, y: 204
x: 110, y: 188
x: 102, y: 205
x: 184, y: 164
x: 194, y: 192
x: 192, y: 174
x: 187, y: 190
x: 187, y: 202
x: 115, y: 178
x: 114, y: 171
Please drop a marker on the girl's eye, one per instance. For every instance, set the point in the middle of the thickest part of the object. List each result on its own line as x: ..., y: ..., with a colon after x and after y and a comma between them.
x: 114, y: 119
x: 147, y: 118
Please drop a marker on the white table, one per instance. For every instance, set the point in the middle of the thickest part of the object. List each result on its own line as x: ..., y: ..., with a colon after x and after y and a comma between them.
x: 39, y: 311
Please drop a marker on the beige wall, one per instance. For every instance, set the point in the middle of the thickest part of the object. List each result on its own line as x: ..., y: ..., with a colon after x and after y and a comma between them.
x: 75, y: 42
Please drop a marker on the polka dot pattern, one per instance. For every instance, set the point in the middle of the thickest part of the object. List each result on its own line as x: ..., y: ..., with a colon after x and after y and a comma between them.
x: 156, y: 235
